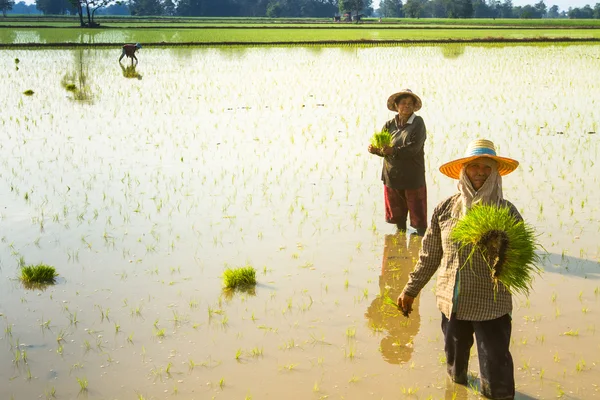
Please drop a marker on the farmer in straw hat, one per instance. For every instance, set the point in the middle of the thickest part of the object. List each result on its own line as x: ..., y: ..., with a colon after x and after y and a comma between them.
x: 466, y: 297
x: 129, y: 51
x: 403, y: 173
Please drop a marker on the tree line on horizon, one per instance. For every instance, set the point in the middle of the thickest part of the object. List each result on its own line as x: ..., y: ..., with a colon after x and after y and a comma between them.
x: 87, y: 9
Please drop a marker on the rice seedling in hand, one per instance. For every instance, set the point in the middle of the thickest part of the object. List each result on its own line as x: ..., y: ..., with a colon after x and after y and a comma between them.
x: 507, y: 245
x: 388, y: 300
x: 381, y: 139
x: 242, y: 277
x: 38, y: 275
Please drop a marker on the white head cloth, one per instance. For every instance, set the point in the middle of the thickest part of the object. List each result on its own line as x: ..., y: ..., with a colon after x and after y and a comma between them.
x: 489, y: 193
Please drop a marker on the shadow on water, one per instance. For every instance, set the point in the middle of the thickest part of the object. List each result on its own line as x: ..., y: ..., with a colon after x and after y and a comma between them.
x: 567, y: 265
x: 130, y: 72
x: 399, y: 258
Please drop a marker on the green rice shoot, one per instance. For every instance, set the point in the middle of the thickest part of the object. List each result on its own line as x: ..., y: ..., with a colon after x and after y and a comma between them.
x: 241, y: 277
x: 381, y: 139
x: 507, y: 245
x: 40, y: 274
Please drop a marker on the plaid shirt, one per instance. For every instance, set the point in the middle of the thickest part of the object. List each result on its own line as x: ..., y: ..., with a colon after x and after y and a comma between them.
x: 476, y: 299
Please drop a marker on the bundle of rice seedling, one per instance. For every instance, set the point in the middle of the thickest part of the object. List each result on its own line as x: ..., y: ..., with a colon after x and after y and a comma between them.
x: 38, y: 275
x: 234, y: 278
x: 381, y: 139
x: 507, y: 245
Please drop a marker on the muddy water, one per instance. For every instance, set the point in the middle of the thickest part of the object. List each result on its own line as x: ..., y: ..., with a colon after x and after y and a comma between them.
x: 145, y: 189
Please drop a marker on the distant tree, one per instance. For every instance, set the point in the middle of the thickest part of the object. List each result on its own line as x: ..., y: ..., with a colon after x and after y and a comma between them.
x: 5, y: 6
x: 481, y: 9
x: 506, y: 9
x: 414, y: 8
x: 353, y: 6
x: 391, y: 8
x: 54, y: 7
x: 22, y: 8
x: 119, y: 8
x: 188, y: 8
x: 459, y: 8
x: 540, y: 9
x: 587, y: 11
x: 525, y: 12
x: 552, y: 12
x: 146, y: 7
x: 597, y: 11
x: 274, y: 9
x: 91, y: 6
x: 437, y: 8
x: 168, y: 7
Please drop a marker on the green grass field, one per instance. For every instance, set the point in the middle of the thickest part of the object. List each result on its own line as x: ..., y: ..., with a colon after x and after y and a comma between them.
x: 129, y: 21
x: 56, y: 30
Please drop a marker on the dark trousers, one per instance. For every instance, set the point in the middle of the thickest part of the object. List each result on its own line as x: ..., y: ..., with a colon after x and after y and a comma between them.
x: 398, y: 203
x: 495, y: 361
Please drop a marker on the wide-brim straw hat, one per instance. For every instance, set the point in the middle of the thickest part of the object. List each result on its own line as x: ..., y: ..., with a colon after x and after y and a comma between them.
x: 391, y: 103
x: 479, y: 148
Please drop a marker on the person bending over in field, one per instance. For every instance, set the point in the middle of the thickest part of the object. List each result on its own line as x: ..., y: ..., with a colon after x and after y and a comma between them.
x: 129, y: 51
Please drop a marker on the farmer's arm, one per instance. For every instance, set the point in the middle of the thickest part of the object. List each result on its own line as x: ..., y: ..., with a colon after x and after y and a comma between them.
x: 415, y: 142
x: 430, y: 257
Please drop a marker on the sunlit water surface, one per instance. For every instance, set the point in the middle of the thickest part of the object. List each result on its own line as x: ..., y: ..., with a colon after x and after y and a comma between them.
x: 143, y: 191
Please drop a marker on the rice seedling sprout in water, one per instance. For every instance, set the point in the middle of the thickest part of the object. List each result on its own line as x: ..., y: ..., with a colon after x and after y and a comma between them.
x: 241, y: 277
x: 507, y: 245
x: 40, y: 274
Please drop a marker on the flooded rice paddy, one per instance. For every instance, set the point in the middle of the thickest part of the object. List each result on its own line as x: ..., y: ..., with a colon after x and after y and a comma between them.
x: 142, y: 186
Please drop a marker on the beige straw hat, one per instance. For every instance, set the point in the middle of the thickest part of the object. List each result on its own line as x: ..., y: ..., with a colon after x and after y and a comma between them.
x: 479, y: 148
x: 391, y: 103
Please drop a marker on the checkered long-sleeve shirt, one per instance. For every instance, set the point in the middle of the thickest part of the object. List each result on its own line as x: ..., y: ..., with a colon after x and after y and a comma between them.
x: 477, y: 299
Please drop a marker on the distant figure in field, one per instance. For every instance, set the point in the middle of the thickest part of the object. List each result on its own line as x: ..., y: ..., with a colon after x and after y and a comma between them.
x: 129, y: 51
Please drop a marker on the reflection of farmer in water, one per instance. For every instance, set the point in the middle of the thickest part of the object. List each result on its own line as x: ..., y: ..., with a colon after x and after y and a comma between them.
x: 130, y: 72
x: 129, y: 51
x: 398, y: 260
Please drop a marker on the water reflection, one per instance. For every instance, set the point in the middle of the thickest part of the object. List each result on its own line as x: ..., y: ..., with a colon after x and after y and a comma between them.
x: 76, y: 80
x: 245, y: 291
x: 451, y: 51
x: 130, y: 72
x: 399, y: 258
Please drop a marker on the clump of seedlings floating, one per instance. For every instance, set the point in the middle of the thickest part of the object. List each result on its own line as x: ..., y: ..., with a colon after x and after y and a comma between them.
x: 381, y: 139
x: 239, y: 278
x: 38, y: 275
x: 507, y: 245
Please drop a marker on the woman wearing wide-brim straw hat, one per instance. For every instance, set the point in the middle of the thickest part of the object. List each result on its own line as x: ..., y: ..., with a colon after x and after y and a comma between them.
x: 467, y: 298
x: 403, y: 172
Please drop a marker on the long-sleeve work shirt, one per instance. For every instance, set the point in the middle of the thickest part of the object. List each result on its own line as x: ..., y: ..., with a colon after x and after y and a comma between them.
x: 405, y: 168
x: 471, y: 280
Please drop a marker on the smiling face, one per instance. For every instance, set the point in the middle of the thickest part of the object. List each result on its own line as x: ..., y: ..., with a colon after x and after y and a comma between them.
x: 405, y: 105
x: 478, y: 171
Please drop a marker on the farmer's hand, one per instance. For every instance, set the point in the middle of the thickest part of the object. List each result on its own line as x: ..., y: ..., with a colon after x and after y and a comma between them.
x: 374, y: 150
x: 387, y: 151
x: 405, y: 303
